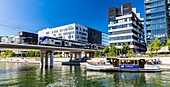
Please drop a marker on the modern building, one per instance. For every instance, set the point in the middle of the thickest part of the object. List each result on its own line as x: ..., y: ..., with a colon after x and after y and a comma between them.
x: 9, y: 39
x: 74, y: 32
x: 94, y: 36
x: 125, y: 26
x: 105, y: 39
x: 28, y: 38
x: 5, y: 39
x: 157, y: 20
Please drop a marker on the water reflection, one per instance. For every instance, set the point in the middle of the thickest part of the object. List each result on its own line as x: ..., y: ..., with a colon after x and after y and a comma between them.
x: 26, y: 75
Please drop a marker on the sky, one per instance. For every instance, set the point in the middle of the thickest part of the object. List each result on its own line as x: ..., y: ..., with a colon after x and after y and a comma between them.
x: 35, y: 15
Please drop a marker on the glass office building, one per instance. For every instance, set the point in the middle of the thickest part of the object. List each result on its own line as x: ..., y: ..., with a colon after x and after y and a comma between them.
x: 157, y: 20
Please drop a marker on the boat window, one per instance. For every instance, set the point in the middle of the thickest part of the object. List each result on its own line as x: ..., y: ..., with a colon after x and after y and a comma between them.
x: 128, y: 62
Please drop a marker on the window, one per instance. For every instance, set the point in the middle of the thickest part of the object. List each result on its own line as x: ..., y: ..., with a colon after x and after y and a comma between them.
x: 47, y: 32
x: 126, y: 8
x: 77, y: 28
x: 55, y: 31
x: 112, y: 16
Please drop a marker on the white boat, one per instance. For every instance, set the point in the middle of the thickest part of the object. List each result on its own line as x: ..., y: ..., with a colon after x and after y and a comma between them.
x: 125, y: 65
x: 97, y: 67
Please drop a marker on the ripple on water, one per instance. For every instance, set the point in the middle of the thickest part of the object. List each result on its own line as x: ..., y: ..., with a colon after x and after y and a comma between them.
x: 23, y: 75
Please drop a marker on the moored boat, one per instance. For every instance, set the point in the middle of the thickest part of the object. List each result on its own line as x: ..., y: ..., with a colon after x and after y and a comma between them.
x: 126, y: 65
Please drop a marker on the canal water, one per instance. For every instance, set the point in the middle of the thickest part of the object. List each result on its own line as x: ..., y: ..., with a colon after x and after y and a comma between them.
x: 30, y: 75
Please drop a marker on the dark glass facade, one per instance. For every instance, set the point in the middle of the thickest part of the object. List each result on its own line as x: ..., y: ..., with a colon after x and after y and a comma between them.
x: 28, y: 38
x: 157, y: 20
x: 94, y: 36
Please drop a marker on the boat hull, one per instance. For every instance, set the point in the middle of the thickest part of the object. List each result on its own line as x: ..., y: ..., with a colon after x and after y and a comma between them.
x: 112, y: 69
x: 131, y: 70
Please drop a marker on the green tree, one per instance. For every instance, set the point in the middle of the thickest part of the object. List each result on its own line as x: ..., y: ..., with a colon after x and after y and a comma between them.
x: 125, y: 48
x: 7, y: 53
x: 106, y: 50
x: 101, y: 54
x: 155, y: 46
x: 10, y: 53
x: 168, y: 44
x: 32, y: 53
x: 113, y: 51
x: 37, y: 53
x: 130, y: 53
x: 97, y: 54
x: 27, y: 54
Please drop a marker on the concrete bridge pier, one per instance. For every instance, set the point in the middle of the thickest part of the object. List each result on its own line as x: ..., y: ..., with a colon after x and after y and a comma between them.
x: 46, y: 59
x: 42, y: 59
x: 71, y: 56
x: 51, y: 59
x: 47, y: 53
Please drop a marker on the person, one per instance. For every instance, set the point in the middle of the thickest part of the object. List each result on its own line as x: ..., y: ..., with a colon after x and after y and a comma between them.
x: 154, y: 61
x: 159, y: 61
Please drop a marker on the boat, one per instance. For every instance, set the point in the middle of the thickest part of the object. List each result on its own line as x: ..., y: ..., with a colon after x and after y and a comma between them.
x: 97, y: 67
x: 126, y: 65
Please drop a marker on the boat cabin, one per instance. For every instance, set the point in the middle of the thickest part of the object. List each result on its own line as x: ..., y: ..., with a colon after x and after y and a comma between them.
x: 127, y: 63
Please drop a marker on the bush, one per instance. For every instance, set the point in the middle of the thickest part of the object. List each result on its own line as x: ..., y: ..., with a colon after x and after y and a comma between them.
x: 7, y: 53
x: 32, y: 53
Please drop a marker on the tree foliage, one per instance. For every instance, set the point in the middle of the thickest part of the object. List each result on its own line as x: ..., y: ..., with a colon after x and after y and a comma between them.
x: 125, y: 48
x: 97, y: 54
x: 130, y: 53
x: 37, y: 53
x: 106, y: 50
x: 7, y: 53
x: 168, y: 43
x: 154, y: 47
x: 32, y: 53
x: 60, y: 53
x: 113, y: 51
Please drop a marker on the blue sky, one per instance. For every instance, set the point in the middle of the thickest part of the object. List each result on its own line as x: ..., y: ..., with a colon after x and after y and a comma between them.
x: 35, y: 15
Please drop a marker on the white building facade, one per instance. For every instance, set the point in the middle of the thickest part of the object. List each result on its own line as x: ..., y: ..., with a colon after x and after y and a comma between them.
x: 73, y: 31
x: 126, y: 28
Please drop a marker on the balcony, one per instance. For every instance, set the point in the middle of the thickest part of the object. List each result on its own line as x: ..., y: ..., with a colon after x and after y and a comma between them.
x: 150, y: 1
x: 155, y: 5
x: 120, y: 29
x: 128, y: 22
x: 150, y: 17
x: 155, y: 11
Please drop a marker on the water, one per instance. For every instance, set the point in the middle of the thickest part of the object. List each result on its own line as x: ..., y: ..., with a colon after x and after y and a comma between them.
x: 30, y: 75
